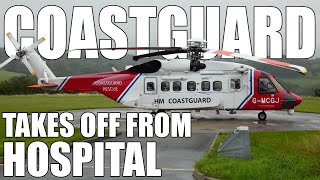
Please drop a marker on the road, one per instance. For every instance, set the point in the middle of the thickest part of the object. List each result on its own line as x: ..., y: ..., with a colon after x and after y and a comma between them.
x: 176, y: 157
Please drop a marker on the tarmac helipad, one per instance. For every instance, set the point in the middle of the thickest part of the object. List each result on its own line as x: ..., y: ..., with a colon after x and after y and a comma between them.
x: 211, y: 122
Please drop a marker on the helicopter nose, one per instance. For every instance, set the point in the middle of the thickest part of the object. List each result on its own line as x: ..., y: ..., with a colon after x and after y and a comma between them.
x: 291, y: 100
x: 298, y: 99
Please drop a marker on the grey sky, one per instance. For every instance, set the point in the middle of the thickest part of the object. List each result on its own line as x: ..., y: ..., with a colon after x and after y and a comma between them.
x: 129, y: 27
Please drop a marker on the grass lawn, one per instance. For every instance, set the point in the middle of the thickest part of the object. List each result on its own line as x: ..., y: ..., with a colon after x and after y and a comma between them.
x: 46, y: 103
x: 5, y: 75
x: 274, y: 155
x: 309, y: 104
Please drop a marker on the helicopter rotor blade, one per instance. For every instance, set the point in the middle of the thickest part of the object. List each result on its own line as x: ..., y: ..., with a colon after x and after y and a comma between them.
x: 130, y: 48
x: 271, y: 62
x: 36, y: 44
x: 13, y: 41
x: 159, y: 53
x: 27, y: 64
x: 7, y: 61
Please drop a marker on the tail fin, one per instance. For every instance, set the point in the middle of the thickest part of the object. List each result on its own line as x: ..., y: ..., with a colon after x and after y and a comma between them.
x: 39, y: 67
x: 30, y: 59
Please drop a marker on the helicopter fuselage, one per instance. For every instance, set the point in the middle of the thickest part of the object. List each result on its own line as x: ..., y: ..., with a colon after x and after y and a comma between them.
x: 220, y: 86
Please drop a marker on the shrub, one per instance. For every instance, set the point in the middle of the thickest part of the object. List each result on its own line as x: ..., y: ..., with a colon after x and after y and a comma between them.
x: 316, y: 92
x: 19, y: 86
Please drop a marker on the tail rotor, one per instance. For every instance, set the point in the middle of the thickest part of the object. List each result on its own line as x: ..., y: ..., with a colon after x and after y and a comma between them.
x: 13, y: 41
x: 13, y: 57
x: 21, y: 53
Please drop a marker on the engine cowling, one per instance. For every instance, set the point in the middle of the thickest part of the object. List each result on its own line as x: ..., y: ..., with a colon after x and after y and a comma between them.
x: 175, y: 65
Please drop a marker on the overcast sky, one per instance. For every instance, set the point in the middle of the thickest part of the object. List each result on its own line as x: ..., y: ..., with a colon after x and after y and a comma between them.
x: 97, y: 5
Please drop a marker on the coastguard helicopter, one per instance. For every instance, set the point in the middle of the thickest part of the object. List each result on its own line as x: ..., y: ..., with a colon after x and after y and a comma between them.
x: 175, y: 84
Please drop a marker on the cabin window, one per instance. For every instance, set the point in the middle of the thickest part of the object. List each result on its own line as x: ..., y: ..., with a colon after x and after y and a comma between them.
x: 205, y: 86
x: 165, y: 86
x: 266, y: 86
x: 235, y: 84
x: 176, y: 86
x: 150, y: 86
x: 217, y: 85
x: 191, y: 86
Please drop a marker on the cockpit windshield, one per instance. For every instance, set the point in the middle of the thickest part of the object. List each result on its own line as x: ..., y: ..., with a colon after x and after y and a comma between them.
x: 266, y: 85
x: 269, y: 85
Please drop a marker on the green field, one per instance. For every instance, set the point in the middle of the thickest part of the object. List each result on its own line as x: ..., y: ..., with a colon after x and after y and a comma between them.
x: 59, y: 102
x: 274, y: 155
x: 46, y: 103
x: 309, y: 104
x: 5, y: 75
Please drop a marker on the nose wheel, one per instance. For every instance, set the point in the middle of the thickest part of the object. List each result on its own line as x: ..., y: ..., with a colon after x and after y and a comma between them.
x: 262, y: 116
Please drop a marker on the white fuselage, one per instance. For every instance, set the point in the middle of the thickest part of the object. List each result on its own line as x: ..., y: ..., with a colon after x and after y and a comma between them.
x: 221, y: 85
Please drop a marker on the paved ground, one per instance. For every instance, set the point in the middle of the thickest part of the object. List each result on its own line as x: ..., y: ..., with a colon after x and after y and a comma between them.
x: 209, y: 121
x: 177, y: 156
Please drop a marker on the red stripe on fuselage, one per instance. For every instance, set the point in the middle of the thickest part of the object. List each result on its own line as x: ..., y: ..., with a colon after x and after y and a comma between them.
x: 273, y: 62
x: 227, y: 53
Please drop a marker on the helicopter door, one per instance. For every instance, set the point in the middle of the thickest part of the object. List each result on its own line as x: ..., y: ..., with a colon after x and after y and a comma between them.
x: 150, y: 95
x: 241, y: 88
x: 235, y: 86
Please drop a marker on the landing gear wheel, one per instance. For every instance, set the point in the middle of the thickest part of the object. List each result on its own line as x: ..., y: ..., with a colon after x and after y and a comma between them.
x: 262, y: 116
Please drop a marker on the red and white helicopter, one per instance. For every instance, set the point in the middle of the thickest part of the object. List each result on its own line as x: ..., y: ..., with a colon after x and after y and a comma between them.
x: 175, y: 84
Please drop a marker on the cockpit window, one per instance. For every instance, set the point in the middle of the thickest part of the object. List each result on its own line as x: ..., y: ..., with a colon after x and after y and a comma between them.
x: 266, y: 86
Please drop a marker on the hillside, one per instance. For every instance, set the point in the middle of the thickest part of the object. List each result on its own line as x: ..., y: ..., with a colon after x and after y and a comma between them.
x: 5, y: 75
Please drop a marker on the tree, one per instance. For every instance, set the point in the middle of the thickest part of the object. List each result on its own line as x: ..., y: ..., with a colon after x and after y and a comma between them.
x: 19, y: 85
x: 316, y: 92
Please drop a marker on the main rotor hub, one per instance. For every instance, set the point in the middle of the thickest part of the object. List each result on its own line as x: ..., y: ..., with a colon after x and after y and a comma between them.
x: 195, y: 48
x: 197, y: 43
x: 20, y: 53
